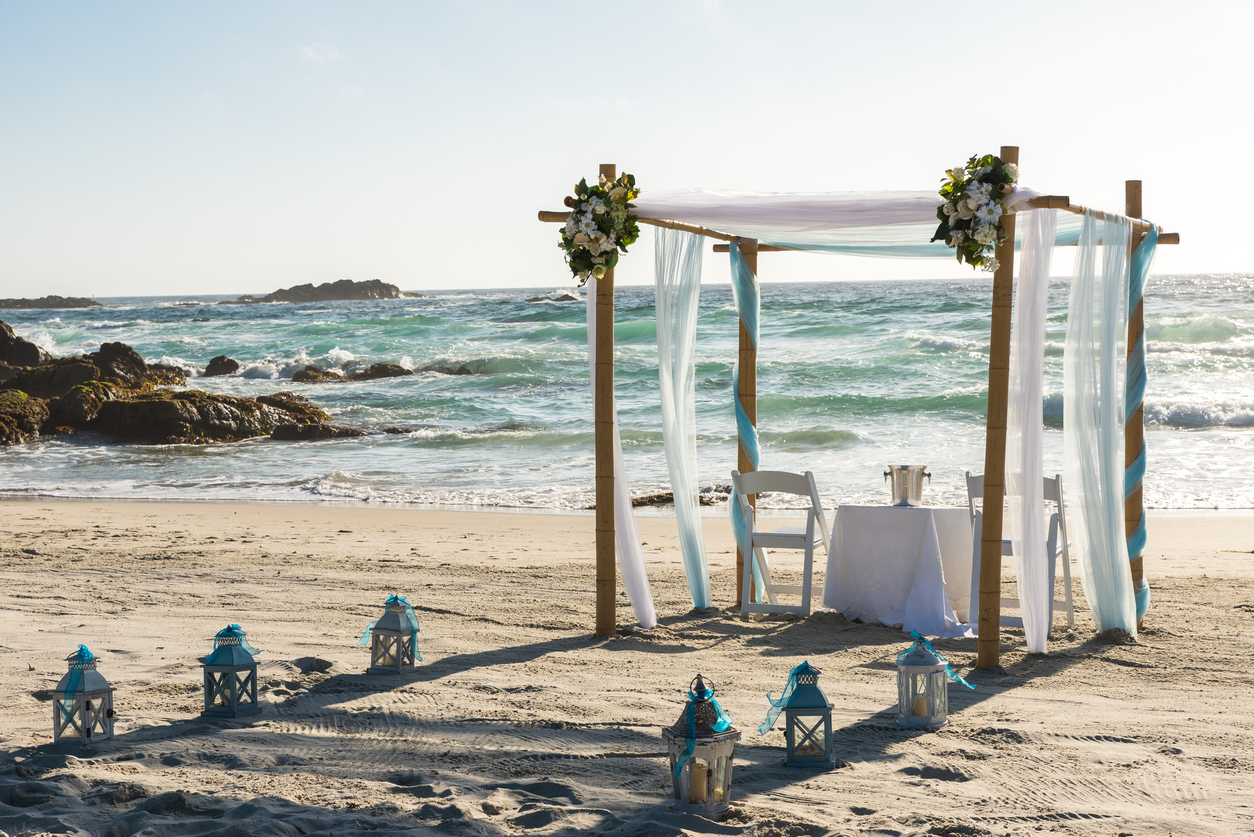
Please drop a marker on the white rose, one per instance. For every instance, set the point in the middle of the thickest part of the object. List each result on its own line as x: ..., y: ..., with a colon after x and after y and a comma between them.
x: 965, y: 212
x: 947, y: 208
x: 1012, y: 171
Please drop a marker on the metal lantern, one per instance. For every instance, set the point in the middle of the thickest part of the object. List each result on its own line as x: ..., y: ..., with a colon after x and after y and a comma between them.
x: 393, y: 638
x: 702, y: 745
x: 808, y: 721
x: 923, y: 676
x: 82, y: 702
x: 231, y: 676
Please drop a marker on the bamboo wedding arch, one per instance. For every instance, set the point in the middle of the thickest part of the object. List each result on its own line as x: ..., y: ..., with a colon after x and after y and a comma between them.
x: 989, y: 607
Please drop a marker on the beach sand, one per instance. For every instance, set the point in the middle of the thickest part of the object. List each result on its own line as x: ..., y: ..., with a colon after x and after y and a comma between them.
x: 520, y: 721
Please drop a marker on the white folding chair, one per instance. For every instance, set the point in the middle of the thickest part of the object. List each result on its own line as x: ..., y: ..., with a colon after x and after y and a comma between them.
x: 756, y: 541
x: 1056, y: 544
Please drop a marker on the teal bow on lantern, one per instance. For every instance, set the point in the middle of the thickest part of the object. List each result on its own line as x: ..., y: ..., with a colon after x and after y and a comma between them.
x: 79, y: 661
x: 777, y: 706
x: 949, y: 669
x: 234, y: 632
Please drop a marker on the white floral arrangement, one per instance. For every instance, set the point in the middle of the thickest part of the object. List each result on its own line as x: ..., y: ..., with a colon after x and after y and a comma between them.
x: 974, y: 200
x: 599, y: 226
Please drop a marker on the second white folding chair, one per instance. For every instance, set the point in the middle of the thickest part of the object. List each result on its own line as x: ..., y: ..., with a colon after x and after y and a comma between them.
x: 757, y: 540
x: 1056, y: 546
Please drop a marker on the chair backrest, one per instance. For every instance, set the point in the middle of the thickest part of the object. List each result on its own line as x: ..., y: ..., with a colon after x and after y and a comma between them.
x: 975, y: 491
x: 783, y: 482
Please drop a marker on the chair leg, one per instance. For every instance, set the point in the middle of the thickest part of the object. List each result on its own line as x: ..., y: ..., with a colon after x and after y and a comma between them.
x: 746, y: 587
x: 809, y: 567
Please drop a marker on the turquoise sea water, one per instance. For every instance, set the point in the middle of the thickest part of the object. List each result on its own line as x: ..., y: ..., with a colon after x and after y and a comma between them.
x: 853, y: 376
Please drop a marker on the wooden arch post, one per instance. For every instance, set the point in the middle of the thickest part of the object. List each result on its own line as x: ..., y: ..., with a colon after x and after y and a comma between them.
x: 603, y: 422
x: 748, y: 392
x: 988, y: 653
x: 1134, y: 430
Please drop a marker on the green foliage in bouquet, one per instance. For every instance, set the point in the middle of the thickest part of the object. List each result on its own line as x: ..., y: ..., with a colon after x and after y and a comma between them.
x: 974, y: 201
x: 600, y: 224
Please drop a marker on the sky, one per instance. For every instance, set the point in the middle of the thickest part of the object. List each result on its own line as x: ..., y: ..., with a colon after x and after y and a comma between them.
x: 156, y: 148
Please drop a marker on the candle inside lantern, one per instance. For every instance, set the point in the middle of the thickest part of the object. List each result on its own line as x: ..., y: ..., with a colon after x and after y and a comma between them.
x: 920, y: 706
x: 699, y: 778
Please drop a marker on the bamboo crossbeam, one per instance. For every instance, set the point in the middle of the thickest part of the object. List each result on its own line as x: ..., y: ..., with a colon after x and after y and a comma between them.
x: 1043, y: 202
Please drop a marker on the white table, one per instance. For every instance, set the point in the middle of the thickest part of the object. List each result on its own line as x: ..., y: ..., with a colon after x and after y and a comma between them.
x: 907, y: 567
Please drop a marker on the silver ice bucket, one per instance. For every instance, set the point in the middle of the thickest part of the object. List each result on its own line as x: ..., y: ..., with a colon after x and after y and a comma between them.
x: 907, y: 483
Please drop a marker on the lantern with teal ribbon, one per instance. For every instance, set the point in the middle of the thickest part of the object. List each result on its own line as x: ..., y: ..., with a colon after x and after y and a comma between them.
x: 807, y: 719
x: 82, y: 702
x: 702, y: 745
x: 231, y: 675
x: 393, y: 638
x: 923, y: 677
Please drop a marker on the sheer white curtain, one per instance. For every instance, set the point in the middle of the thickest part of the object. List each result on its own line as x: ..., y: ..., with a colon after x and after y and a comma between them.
x: 677, y: 276
x: 630, y: 554
x: 1025, y: 499
x: 1093, y: 413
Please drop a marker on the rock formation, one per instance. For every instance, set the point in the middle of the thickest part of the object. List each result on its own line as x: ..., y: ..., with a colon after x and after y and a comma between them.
x: 18, y: 351
x: 50, y: 302
x: 115, y: 363
x: 21, y: 417
x: 327, y: 292
x: 221, y: 365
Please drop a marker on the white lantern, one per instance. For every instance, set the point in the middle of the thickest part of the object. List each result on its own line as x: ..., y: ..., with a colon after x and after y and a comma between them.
x: 922, y: 687
x: 702, y: 746
x: 393, y: 638
x: 82, y: 702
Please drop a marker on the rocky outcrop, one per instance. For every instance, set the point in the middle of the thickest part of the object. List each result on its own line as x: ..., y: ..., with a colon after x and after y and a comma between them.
x: 311, y: 432
x: 194, y: 417
x: 327, y: 292
x: 21, y: 417
x: 380, y: 370
x: 50, y: 302
x: 18, y: 351
x: 115, y: 363
x: 297, y: 407
x: 221, y: 365
x: 78, y: 407
x: 316, y: 375
x: 555, y: 298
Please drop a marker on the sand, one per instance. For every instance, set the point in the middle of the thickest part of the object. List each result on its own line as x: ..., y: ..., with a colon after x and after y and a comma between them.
x: 519, y: 721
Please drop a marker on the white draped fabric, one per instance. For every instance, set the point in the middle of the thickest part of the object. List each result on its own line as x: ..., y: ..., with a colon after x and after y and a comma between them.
x: 1025, y: 500
x: 677, y: 276
x: 630, y: 554
x: 1093, y: 413
x: 867, y: 223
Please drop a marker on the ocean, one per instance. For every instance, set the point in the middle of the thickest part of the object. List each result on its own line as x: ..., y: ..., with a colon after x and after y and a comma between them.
x: 853, y: 376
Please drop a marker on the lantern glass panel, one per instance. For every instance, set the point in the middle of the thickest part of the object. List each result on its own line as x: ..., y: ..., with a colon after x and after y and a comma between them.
x: 940, y: 692
x: 807, y: 735
x: 721, y: 780
x: 918, y: 695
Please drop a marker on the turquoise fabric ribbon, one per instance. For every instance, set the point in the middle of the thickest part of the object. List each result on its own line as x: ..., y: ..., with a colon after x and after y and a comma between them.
x: 777, y: 706
x: 949, y: 669
x: 748, y: 308
x: 1134, y: 397
x: 690, y: 740
x: 409, y: 614
x: 234, y: 631
x: 79, y: 662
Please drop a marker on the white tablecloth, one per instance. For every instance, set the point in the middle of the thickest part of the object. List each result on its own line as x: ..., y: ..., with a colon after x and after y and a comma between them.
x: 903, y: 567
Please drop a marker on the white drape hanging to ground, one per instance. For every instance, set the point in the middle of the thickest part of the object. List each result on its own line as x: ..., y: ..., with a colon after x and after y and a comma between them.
x: 677, y: 276
x: 627, y: 537
x: 1025, y: 501
x: 1093, y: 413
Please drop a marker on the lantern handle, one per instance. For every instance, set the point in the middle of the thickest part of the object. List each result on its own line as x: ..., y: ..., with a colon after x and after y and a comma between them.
x: 704, y: 681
